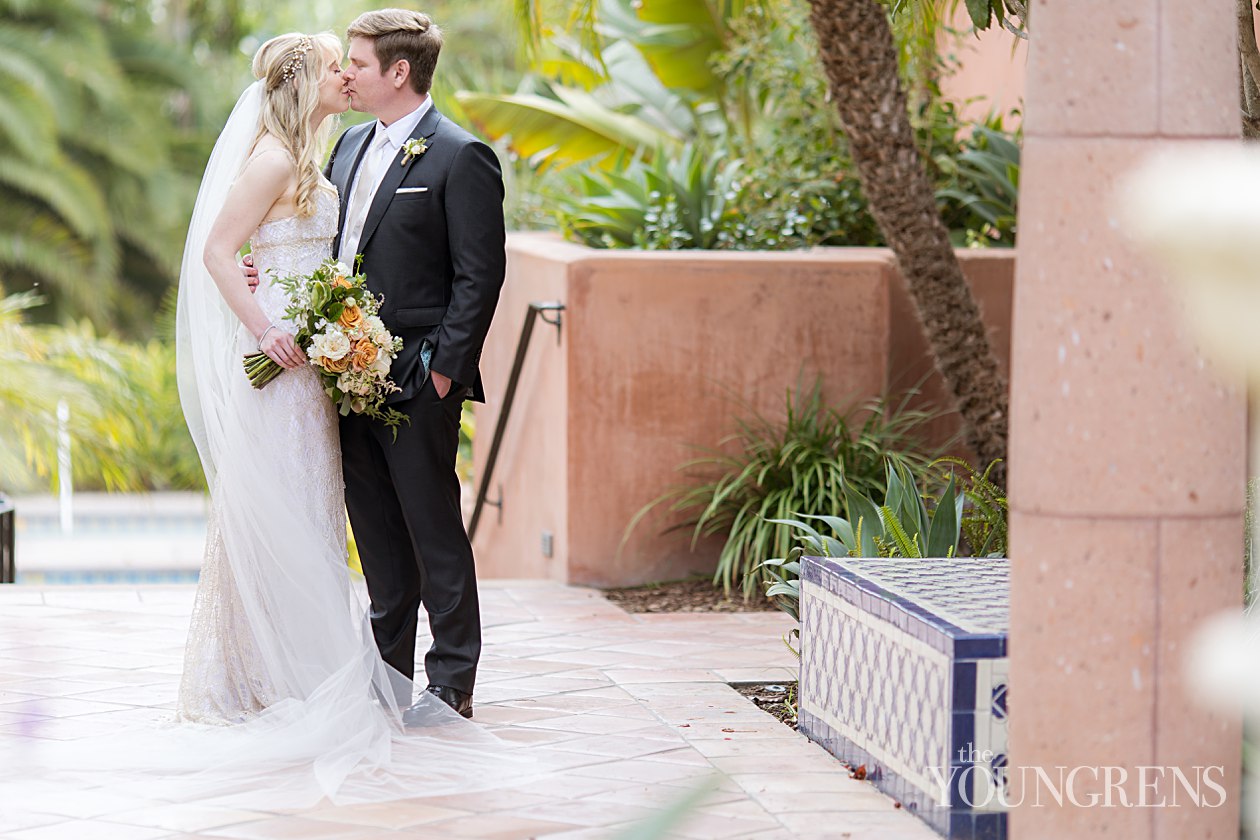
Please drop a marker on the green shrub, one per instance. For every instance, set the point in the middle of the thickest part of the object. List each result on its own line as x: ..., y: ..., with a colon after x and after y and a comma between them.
x: 802, y: 190
x: 770, y: 469
x: 902, y: 526
x: 959, y: 518
x: 985, y: 511
x: 796, y: 187
x: 980, y: 186
x: 783, y: 582
x: 126, y: 426
x: 747, y: 86
x: 670, y: 203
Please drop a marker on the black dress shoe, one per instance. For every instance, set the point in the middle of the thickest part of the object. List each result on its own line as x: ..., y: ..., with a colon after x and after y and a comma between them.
x: 420, y: 713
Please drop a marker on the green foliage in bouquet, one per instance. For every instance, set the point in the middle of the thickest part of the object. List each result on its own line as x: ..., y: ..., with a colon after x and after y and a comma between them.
x: 339, y: 328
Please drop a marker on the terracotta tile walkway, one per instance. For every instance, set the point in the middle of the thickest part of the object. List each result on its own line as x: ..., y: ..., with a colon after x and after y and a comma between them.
x: 638, y: 704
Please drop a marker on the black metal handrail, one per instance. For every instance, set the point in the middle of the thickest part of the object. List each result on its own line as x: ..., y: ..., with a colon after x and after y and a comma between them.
x: 8, y: 532
x: 533, y: 313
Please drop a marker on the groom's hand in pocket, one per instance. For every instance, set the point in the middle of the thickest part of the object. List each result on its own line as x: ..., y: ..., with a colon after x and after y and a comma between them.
x: 250, y: 272
x: 441, y: 384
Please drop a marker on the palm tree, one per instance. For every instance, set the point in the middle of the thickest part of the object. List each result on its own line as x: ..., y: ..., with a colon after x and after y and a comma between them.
x: 94, y: 207
x: 1249, y: 77
x: 859, y: 56
x: 127, y: 429
x: 32, y: 384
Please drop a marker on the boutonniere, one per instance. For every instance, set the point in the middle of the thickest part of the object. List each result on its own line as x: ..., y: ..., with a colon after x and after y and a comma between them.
x: 413, y: 149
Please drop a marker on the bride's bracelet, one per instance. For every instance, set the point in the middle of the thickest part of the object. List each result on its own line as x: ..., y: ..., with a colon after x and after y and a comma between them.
x: 270, y: 327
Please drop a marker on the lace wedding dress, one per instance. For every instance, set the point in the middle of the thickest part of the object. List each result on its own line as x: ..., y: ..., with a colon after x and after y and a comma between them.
x: 284, y: 700
x: 295, y: 445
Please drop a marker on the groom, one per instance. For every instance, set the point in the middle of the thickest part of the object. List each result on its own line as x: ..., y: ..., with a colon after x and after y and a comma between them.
x: 422, y: 202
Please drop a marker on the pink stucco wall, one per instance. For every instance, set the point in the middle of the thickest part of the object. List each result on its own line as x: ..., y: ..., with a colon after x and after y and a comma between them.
x: 1127, y: 449
x: 658, y: 353
x: 990, y: 69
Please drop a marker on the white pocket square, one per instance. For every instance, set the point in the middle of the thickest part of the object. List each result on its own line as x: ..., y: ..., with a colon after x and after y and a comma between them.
x: 402, y: 190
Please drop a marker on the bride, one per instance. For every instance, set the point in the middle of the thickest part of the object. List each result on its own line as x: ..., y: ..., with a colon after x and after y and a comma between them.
x: 284, y: 699
x: 274, y: 577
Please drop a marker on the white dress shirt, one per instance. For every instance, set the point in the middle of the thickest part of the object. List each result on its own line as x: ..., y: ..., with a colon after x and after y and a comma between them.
x: 382, y: 149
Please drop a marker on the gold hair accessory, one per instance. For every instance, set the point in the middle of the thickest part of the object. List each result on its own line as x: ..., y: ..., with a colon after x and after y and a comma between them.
x: 294, y: 59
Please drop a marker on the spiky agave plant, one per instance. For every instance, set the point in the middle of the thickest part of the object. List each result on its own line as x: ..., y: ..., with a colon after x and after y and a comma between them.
x: 959, y: 517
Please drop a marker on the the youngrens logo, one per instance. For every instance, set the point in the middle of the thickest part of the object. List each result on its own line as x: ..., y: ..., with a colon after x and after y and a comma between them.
x: 985, y: 784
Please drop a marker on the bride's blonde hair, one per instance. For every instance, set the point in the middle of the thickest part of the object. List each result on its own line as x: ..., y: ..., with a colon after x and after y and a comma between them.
x: 291, y: 78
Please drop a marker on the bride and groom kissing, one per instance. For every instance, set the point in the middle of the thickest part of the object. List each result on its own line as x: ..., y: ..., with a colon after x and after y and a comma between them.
x: 278, y: 639
x: 293, y: 690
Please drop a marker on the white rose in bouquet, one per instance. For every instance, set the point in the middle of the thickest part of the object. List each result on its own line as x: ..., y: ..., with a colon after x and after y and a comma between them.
x: 331, y: 345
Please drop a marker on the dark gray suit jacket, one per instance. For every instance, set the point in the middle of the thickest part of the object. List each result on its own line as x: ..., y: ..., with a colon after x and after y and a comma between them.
x: 436, y: 251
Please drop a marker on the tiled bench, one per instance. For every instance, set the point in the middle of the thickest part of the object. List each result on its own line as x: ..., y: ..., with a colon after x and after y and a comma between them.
x: 904, y: 670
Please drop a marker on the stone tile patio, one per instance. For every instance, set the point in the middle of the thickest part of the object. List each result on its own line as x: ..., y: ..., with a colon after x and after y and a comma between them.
x: 639, y: 705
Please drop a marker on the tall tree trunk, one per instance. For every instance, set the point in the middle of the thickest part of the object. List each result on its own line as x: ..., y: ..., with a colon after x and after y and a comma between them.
x: 1249, y: 66
x: 860, y: 60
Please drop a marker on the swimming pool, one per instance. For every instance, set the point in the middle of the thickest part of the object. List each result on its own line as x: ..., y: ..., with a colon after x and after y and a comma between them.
x: 82, y: 577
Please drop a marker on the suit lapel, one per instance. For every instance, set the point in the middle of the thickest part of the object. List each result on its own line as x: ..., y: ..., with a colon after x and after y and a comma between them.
x: 395, y: 171
x: 356, y: 147
x: 343, y: 173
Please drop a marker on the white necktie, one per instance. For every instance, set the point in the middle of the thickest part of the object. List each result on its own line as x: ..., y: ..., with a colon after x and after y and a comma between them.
x: 356, y: 214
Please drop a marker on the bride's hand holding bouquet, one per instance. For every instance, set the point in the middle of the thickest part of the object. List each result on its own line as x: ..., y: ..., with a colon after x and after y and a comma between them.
x: 340, y: 331
x: 281, y: 348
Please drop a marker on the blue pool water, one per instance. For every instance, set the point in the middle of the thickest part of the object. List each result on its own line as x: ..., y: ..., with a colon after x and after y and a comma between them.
x: 82, y: 577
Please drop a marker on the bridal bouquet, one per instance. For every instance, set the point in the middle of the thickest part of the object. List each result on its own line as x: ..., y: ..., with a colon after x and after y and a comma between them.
x: 339, y: 330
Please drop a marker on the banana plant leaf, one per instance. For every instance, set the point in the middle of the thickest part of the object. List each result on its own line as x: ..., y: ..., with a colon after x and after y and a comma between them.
x: 559, y: 132
x: 677, y: 37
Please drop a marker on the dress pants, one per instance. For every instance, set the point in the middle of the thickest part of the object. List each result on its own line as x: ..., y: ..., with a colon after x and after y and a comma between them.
x: 403, y: 497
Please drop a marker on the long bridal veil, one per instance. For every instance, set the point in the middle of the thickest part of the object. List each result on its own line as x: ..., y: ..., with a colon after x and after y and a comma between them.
x: 329, y: 727
x: 205, y: 328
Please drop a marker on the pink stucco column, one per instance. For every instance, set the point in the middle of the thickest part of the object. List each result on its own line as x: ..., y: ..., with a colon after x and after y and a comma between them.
x: 1127, y: 450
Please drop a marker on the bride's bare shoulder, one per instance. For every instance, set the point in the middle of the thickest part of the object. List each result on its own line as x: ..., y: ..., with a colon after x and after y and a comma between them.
x: 274, y: 152
x: 269, y: 167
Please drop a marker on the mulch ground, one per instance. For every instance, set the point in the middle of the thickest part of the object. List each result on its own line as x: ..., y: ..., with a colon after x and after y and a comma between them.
x: 778, y: 699
x: 684, y: 596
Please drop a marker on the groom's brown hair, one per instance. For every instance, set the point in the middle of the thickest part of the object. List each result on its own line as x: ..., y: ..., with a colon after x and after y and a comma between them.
x: 402, y: 34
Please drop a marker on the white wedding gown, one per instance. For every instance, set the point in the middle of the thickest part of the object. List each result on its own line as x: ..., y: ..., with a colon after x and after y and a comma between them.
x: 280, y: 643
x: 287, y: 437
x: 284, y: 700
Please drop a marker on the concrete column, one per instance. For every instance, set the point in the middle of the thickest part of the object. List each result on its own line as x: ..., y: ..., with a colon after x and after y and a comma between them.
x: 1127, y: 451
